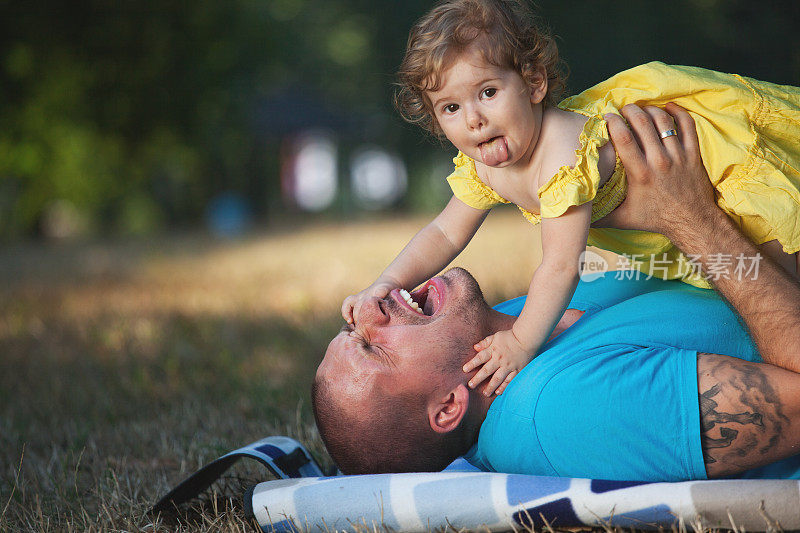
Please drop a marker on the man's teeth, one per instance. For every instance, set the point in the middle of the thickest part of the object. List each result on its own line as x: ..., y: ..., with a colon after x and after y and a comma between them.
x: 407, y: 297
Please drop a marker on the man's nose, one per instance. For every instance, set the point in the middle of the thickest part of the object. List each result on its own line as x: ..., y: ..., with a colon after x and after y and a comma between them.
x: 372, y: 313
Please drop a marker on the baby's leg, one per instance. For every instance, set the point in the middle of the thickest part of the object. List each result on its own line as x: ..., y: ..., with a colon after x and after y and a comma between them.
x: 790, y: 262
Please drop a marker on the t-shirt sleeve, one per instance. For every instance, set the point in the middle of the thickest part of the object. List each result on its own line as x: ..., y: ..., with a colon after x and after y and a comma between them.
x: 626, y: 413
x: 468, y: 187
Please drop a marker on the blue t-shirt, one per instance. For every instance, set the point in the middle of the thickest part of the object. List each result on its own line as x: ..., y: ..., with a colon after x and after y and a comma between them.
x: 615, y: 395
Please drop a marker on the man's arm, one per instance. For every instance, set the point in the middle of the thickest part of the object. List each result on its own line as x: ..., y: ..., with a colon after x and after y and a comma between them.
x: 669, y: 193
x: 749, y: 413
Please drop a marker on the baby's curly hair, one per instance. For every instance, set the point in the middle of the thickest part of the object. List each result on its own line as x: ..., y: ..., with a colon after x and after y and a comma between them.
x: 515, y: 39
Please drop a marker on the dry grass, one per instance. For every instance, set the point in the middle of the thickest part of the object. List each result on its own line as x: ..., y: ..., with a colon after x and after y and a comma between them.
x: 127, y: 366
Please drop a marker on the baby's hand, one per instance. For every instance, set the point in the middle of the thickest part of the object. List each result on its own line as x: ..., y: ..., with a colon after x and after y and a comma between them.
x: 500, y: 354
x: 352, y: 304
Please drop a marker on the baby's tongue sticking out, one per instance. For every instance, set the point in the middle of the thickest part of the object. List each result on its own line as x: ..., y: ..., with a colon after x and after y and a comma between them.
x: 494, y: 152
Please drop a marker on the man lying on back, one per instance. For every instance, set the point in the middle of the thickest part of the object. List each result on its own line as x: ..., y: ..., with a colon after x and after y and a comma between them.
x: 641, y: 387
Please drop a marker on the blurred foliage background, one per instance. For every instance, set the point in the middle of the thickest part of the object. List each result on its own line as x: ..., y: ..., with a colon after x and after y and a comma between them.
x: 129, y: 117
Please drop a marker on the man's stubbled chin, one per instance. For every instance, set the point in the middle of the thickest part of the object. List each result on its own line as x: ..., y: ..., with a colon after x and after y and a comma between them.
x: 472, y: 309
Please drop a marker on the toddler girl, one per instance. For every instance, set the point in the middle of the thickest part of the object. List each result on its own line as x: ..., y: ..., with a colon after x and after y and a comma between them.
x: 481, y: 73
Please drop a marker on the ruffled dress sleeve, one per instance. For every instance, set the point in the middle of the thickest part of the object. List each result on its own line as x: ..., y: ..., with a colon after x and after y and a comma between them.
x: 469, y: 188
x: 578, y: 184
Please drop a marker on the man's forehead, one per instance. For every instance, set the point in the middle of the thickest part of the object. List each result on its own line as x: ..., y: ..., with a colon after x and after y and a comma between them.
x: 357, y: 389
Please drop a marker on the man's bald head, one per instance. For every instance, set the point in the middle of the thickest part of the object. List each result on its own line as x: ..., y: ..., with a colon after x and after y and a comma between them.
x: 391, y: 435
x: 390, y: 394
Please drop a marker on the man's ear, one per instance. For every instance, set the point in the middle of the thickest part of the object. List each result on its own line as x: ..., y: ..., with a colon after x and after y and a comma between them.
x: 539, y: 86
x: 446, y: 414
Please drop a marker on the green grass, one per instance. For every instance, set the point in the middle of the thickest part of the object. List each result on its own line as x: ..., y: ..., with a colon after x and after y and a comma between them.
x: 126, y: 366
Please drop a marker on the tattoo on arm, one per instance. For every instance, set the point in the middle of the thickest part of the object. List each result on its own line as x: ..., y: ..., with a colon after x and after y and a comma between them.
x: 741, y: 415
x: 710, y: 417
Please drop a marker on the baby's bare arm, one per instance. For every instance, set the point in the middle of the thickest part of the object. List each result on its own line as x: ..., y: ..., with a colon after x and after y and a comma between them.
x: 429, y: 251
x: 435, y: 245
x: 563, y: 241
x: 504, y: 353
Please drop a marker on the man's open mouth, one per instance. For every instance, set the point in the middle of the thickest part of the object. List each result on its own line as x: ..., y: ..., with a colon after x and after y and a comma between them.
x: 426, y: 300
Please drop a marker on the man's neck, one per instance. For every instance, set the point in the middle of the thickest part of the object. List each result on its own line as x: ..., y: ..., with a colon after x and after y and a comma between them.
x: 480, y: 403
x: 500, y: 321
x: 479, y: 408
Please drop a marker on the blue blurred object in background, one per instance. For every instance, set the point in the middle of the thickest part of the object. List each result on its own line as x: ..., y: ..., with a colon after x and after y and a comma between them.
x: 228, y: 215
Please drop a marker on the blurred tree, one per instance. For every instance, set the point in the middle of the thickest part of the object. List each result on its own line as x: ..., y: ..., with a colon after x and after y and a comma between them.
x: 138, y: 113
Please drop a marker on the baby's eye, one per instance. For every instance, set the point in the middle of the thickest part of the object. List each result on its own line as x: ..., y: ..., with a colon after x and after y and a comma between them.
x: 489, y: 92
x: 451, y: 108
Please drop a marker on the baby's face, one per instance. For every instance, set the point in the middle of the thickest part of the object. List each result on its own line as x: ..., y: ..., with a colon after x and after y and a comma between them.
x: 488, y: 112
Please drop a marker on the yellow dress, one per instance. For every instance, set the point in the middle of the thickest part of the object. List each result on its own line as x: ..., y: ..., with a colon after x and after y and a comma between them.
x: 749, y: 134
